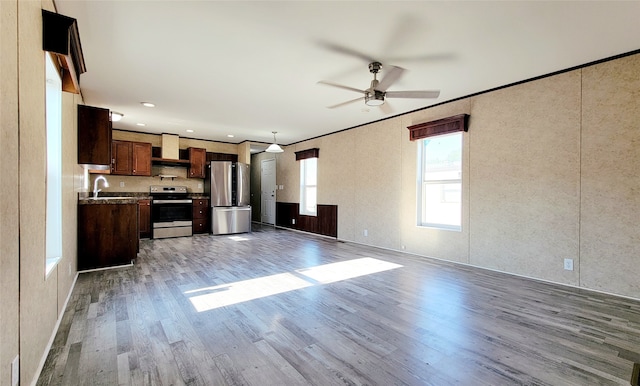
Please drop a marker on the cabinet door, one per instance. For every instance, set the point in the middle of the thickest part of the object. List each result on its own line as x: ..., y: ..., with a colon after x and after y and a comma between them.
x: 121, y: 158
x: 94, y: 136
x: 141, y: 159
x: 144, y: 223
x: 200, y: 208
x: 200, y: 216
x: 107, y: 235
x: 197, y: 162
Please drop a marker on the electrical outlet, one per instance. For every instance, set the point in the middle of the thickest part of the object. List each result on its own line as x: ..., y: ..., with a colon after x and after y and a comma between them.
x: 403, y: 247
x: 365, y: 233
x: 293, y: 221
x: 15, y: 371
x: 69, y: 269
x: 200, y: 185
x: 568, y: 264
x: 122, y: 184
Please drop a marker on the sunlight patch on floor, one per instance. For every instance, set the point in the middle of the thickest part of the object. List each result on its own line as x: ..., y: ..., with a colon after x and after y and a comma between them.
x: 209, y: 298
x: 238, y: 238
x: 331, y: 273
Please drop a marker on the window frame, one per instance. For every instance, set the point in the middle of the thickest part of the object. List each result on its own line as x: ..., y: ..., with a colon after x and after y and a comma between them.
x: 53, y: 122
x: 304, y: 185
x: 421, y: 204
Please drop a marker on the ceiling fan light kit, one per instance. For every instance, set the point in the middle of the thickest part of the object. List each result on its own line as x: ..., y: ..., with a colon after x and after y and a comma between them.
x: 374, y: 99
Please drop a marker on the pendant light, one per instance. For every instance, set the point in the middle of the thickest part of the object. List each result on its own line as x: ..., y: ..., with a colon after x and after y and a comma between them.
x: 274, y: 148
x: 115, y: 116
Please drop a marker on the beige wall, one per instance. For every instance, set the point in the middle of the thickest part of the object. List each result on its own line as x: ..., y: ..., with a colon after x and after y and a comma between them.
x: 28, y: 318
x: 610, y: 177
x: 550, y: 172
x: 9, y: 214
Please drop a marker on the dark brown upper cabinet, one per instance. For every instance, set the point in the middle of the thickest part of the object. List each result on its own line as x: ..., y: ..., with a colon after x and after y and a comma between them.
x: 141, y: 159
x: 131, y: 158
x: 94, y: 137
x: 197, y: 162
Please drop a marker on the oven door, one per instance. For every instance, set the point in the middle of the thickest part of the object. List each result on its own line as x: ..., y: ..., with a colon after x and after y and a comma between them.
x: 170, y: 213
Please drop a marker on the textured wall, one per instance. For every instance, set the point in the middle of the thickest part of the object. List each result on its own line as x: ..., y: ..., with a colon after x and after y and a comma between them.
x: 72, y: 183
x: 38, y: 295
x: 524, y: 178
x: 550, y: 172
x: 610, y: 207
x: 9, y: 195
x: 337, y: 168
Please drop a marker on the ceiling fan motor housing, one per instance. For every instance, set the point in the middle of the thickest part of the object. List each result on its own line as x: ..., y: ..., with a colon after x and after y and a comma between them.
x: 374, y: 67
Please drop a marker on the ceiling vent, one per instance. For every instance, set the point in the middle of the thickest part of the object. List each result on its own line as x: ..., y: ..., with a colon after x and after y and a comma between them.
x: 61, y: 38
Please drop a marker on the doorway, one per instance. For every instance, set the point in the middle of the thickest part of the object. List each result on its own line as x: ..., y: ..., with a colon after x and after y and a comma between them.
x: 268, y: 191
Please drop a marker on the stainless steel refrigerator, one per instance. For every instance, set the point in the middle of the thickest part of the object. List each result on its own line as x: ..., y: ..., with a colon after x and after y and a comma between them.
x: 227, y: 184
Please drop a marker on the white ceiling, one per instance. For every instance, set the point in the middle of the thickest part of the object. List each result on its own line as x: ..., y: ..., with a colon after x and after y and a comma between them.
x: 250, y: 68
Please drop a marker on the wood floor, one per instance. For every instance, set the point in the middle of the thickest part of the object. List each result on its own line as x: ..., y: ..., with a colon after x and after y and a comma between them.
x: 251, y: 310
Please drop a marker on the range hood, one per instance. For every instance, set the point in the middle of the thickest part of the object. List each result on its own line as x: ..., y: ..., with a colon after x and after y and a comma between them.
x: 170, y: 152
x: 170, y: 147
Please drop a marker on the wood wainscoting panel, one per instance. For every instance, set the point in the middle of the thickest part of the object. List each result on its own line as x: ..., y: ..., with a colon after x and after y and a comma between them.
x: 325, y: 223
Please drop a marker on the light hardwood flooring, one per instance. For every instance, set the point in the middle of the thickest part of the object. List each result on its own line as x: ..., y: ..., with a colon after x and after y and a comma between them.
x: 251, y: 310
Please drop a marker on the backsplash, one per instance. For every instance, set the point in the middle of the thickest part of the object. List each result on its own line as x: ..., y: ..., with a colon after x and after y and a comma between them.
x: 141, y: 184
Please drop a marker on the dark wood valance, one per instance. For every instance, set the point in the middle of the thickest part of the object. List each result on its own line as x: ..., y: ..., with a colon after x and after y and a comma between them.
x: 309, y: 153
x: 439, y: 127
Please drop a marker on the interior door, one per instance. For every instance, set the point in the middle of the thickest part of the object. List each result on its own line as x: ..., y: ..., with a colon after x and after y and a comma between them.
x: 268, y: 191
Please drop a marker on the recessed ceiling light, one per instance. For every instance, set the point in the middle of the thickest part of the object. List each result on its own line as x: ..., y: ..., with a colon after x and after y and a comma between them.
x: 148, y: 104
x: 141, y: 124
x: 230, y: 135
x: 189, y: 131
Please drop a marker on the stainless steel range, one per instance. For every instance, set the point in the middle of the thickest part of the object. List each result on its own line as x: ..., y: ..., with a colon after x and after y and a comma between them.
x: 171, y: 211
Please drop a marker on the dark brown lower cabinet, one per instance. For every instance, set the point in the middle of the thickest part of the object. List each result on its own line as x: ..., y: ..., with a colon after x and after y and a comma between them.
x: 201, y: 216
x: 145, y: 218
x: 107, y: 235
x: 325, y: 223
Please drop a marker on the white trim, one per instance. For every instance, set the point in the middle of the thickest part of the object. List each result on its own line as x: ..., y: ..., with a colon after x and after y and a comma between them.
x: 105, y: 268
x: 34, y: 381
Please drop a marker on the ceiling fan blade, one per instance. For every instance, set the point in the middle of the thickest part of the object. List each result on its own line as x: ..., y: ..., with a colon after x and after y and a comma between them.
x: 346, y: 103
x: 346, y: 51
x: 421, y: 58
x: 340, y: 86
x: 386, y: 108
x: 390, y: 78
x: 413, y: 94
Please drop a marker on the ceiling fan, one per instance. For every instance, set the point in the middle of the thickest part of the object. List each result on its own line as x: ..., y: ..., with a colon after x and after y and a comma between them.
x: 377, y: 92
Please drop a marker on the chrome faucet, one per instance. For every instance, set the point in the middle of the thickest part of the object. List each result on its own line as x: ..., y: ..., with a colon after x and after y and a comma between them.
x: 95, y: 185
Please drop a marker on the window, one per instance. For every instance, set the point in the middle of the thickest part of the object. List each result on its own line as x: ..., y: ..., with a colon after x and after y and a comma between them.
x: 54, y: 165
x: 440, y: 182
x: 308, y: 186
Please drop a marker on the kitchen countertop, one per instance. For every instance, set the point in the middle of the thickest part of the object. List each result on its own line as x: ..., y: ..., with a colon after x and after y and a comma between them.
x: 107, y: 200
x: 86, y: 198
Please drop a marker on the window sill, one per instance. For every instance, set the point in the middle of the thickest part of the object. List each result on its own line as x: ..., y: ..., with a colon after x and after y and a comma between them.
x: 51, y: 264
x: 440, y: 227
